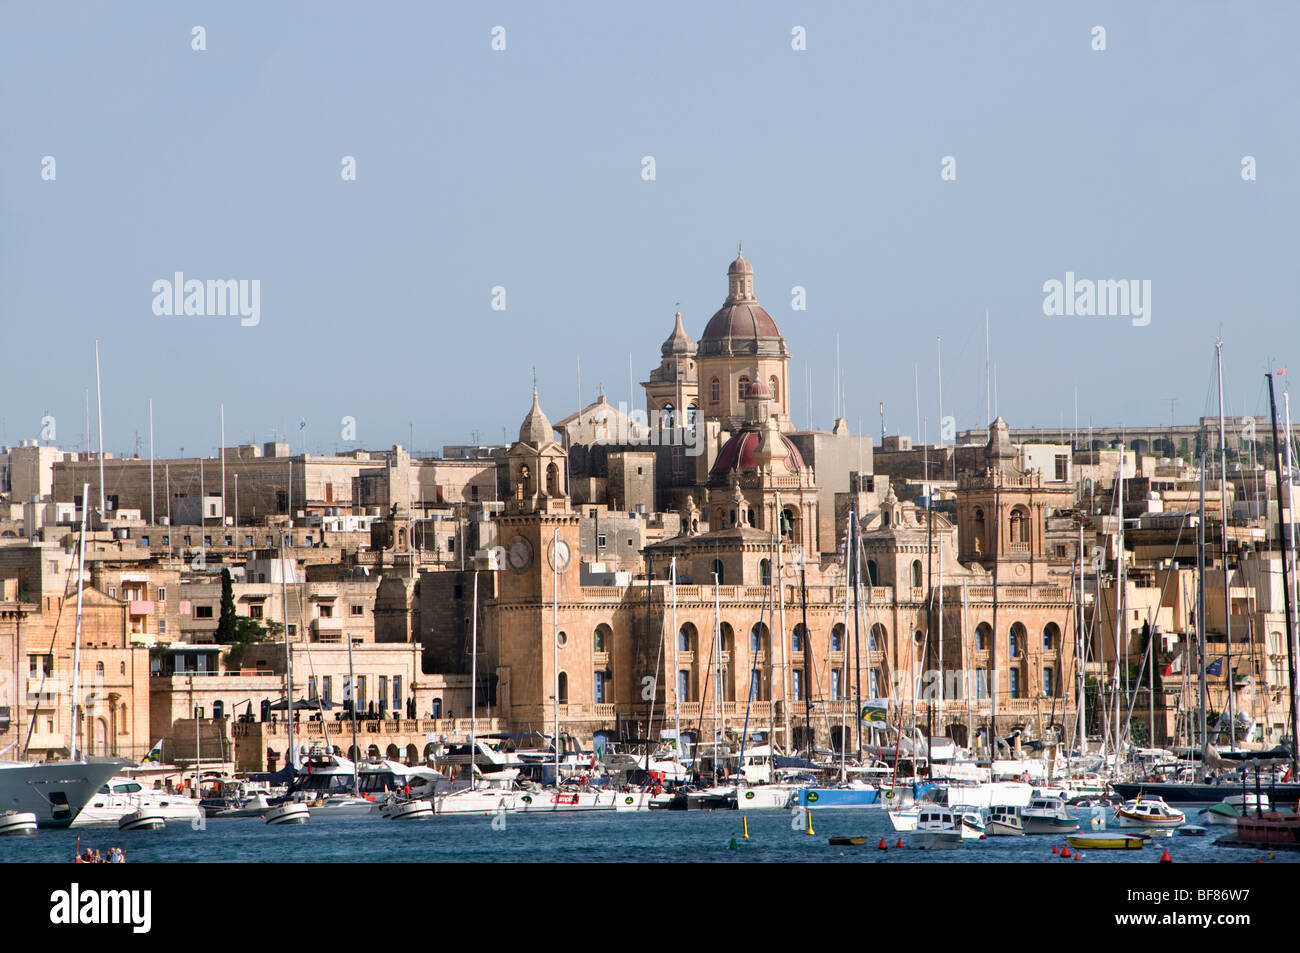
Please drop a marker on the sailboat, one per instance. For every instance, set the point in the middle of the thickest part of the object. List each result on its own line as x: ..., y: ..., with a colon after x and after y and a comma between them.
x: 53, y: 793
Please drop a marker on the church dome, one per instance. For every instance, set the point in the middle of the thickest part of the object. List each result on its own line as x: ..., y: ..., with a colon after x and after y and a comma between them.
x: 741, y: 453
x: 536, y: 429
x: 741, y: 325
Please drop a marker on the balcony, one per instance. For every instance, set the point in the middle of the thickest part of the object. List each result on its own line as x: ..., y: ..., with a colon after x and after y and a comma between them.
x: 327, y: 629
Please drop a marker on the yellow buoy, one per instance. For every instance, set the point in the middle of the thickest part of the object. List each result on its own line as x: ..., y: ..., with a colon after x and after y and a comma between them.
x: 745, y: 820
x: 809, y: 831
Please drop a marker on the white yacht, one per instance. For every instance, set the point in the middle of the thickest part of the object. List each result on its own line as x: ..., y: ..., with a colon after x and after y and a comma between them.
x: 1048, y: 815
x: 937, y: 828
x: 124, y: 797
x: 55, y: 791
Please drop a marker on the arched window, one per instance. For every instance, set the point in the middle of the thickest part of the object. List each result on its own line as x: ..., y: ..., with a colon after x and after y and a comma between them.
x: 667, y: 417
x: 691, y: 411
x: 983, y: 635
x: 726, y: 637
x: 715, y: 391
x: 686, y: 638
x: 1016, y: 639
x: 553, y: 480
x: 99, y: 668
x: 742, y: 388
x: 916, y: 574
x: 772, y: 386
x: 981, y: 541
x: 717, y: 571
x: 600, y: 638
x: 837, y: 637
x: 564, y: 688
x: 1019, y: 525
x: 218, y: 709
x: 757, y: 637
x: 797, y: 638
x: 1051, y: 636
x: 435, y: 708
x: 876, y: 638
x: 764, y: 572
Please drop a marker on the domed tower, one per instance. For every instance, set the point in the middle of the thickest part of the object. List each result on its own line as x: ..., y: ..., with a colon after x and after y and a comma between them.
x: 534, y: 471
x: 740, y: 347
x: 673, y: 391
x: 765, y: 467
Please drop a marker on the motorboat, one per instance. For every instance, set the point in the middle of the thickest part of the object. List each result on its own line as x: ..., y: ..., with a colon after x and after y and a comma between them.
x: 122, y: 797
x: 325, y: 773
x: 288, y: 812
x: 1148, y: 811
x: 1004, y: 821
x: 904, y: 819
x: 937, y: 828
x: 1048, y: 815
x: 493, y: 793
x: 55, y: 791
x: 973, y: 824
x: 1234, y: 806
x: 399, y: 809
x: 17, y: 822
x: 143, y: 819
x: 760, y: 796
x: 1106, y: 840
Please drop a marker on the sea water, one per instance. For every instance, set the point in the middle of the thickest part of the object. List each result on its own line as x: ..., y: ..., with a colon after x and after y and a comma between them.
x: 602, y: 836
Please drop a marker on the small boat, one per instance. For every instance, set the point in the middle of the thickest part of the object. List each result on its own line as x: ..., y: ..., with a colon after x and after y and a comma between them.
x: 1005, y: 821
x: 937, y: 828
x: 847, y: 841
x: 17, y: 822
x: 1102, y: 840
x: 289, y: 812
x: 1191, y: 830
x: 1234, y: 806
x: 399, y: 810
x: 144, y: 819
x: 973, y: 826
x: 1149, y: 811
x: 1048, y: 815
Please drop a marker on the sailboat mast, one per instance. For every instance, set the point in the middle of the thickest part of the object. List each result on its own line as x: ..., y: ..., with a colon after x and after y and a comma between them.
x: 76, y: 644
x: 677, y: 700
x: 99, y: 409
x: 555, y: 645
x: 473, y: 686
x: 1290, y: 509
x: 942, y: 732
x: 781, y: 639
x: 1223, y: 508
x: 288, y: 650
x: 806, y: 642
x: 356, y: 752
x: 855, y: 561
x: 1081, y: 652
x: 1286, y: 582
x: 717, y: 665
x: 1200, y: 618
x: 1119, y: 596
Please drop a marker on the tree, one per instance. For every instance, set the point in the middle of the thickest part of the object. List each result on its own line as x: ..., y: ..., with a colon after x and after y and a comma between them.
x: 247, y: 632
x: 227, y: 625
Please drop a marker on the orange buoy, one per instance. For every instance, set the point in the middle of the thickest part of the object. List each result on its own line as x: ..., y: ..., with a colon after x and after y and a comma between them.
x: 1165, y: 858
x: 900, y: 842
x: 1078, y: 856
x: 882, y: 845
x: 1065, y: 853
x: 1055, y: 849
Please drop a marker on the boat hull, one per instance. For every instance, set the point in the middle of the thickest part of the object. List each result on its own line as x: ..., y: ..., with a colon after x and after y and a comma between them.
x: 1202, y: 793
x: 760, y: 797
x: 1105, y: 841
x: 1049, y: 825
x: 17, y: 823
x: 142, y: 820
x: 838, y: 798
x: 936, y: 840
x: 56, y: 792
x: 291, y: 812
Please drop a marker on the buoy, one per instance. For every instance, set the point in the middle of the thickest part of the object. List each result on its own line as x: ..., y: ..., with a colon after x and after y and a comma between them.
x: 732, y: 845
x: 1165, y: 858
x: 1272, y: 856
x: 1078, y: 856
x: 984, y: 837
x: 745, y: 820
x: 1259, y: 860
x: 809, y: 831
x: 882, y: 845
x: 900, y: 842
x: 1055, y: 849
x: 1065, y: 853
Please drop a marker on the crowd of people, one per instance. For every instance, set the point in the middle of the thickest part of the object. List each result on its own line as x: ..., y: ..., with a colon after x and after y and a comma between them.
x: 114, y: 855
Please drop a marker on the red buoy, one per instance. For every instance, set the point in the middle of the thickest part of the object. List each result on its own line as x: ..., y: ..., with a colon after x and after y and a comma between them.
x: 900, y: 842
x: 882, y: 845
x: 1055, y: 849
x: 1065, y: 853
x: 1165, y: 858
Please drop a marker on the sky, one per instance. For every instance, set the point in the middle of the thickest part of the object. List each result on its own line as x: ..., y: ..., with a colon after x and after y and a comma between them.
x: 913, y: 165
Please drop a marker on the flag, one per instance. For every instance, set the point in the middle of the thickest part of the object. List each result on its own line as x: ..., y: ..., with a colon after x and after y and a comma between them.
x: 876, y: 712
x: 1282, y: 373
x: 1215, y: 668
x: 155, y: 753
x: 1176, y: 664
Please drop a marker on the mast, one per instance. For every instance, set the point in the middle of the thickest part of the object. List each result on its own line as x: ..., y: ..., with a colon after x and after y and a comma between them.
x: 942, y: 732
x: 1200, y: 617
x: 781, y: 639
x: 352, y: 694
x: 966, y: 682
x: 1223, y: 508
x: 1081, y: 652
x: 288, y: 651
x: 844, y: 742
x: 717, y: 667
x: 152, y: 521
x: 1119, y: 596
x: 555, y: 645
x: 99, y: 409
x: 806, y: 642
x: 677, y: 701
x: 76, y: 645
x: 473, y: 687
x: 1290, y: 509
x: 855, y: 561
x: 1286, y: 583
x: 223, y: 468
x: 993, y: 642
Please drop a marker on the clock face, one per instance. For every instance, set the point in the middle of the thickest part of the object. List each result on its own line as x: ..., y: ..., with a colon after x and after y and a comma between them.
x: 559, y: 555
x: 519, y: 554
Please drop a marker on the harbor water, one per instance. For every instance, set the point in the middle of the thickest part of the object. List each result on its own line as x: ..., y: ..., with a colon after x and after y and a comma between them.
x: 604, y: 837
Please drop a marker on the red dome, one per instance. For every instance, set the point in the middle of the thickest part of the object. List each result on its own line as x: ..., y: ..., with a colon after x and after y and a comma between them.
x: 739, y: 453
x: 745, y: 320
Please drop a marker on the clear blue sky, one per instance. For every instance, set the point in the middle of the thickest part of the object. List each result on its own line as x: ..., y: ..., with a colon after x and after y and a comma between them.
x: 523, y: 169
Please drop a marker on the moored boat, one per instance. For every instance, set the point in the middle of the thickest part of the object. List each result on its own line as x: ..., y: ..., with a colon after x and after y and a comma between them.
x: 1048, y: 815
x: 1105, y: 840
x: 1148, y: 812
x: 1227, y: 811
x: 1004, y: 821
x: 937, y: 828
x: 289, y: 812
x: 17, y: 822
x: 144, y: 819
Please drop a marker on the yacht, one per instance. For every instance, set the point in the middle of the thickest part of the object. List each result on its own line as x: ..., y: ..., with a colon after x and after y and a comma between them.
x: 1004, y: 821
x: 1048, y: 815
x: 1235, y: 806
x: 937, y: 828
x: 1149, y: 811
x: 124, y: 797
x: 55, y: 791
x: 494, y: 793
